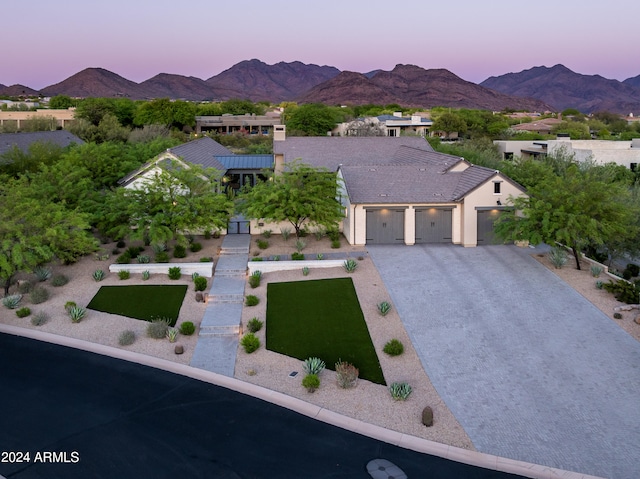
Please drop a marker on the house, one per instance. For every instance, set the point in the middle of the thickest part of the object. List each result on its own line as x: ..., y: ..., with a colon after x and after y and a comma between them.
x: 248, y: 123
x: 16, y: 120
x: 542, y: 127
x: 386, y: 125
x: 24, y: 140
x: 235, y: 170
x: 399, y: 190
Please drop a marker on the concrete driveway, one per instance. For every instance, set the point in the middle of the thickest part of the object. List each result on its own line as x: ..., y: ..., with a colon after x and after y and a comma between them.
x: 531, y: 369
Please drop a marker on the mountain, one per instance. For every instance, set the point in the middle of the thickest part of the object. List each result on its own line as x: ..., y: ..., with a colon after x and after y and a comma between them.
x: 95, y: 82
x: 563, y: 88
x: 17, y: 90
x: 257, y: 81
x: 348, y: 88
x: 634, y: 82
x: 166, y: 85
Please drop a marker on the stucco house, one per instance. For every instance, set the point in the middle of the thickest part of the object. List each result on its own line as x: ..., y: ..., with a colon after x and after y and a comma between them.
x: 399, y: 190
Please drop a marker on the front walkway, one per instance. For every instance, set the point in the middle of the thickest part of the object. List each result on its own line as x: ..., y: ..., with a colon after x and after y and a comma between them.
x: 218, y: 337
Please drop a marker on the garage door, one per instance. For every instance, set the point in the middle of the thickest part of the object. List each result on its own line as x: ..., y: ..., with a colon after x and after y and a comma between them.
x: 433, y: 225
x: 485, y: 226
x: 385, y: 226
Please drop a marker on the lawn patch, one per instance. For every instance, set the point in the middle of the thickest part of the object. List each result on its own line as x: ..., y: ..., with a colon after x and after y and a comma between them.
x: 140, y: 302
x: 323, y: 319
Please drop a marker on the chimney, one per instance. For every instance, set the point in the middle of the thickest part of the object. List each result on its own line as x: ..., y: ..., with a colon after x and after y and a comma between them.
x: 279, y: 133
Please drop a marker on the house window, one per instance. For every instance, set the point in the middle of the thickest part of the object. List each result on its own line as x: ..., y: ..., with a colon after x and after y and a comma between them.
x: 633, y: 166
x: 496, y: 187
x: 508, y: 155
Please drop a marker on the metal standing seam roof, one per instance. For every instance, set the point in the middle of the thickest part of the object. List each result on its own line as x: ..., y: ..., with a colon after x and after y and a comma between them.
x: 246, y: 162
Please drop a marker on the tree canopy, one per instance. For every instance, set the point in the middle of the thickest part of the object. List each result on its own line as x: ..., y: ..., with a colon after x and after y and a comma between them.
x: 313, y: 119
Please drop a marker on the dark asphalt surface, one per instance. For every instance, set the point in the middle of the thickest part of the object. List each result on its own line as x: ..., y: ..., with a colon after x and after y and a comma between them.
x: 124, y: 420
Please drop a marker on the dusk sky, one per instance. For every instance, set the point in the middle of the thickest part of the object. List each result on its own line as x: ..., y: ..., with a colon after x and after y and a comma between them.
x: 47, y: 41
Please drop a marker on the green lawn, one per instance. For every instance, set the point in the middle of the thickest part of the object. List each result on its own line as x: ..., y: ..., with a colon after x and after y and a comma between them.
x: 321, y: 318
x: 140, y: 302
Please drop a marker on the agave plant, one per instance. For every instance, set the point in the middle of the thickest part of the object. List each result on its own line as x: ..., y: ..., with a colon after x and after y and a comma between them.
x: 76, y: 313
x: 350, y: 265
x: 98, y: 275
x: 596, y: 270
x: 400, y: 391
x: 384, y: 308
x: 194, y: 275
x: 42, y: 273
x: 313, y: 365
x: 143, y: 258
x: 305, y: 271
x: 172, y: 334
x: 146, y: 274
x: 12, y: 301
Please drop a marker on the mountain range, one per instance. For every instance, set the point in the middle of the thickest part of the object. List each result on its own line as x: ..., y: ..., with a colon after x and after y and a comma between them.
x: 536, y: 89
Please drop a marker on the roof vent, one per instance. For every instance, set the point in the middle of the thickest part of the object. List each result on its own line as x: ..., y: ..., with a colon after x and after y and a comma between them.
x: 383, y: 194
x: 422, y: 169
x: 372, y: 169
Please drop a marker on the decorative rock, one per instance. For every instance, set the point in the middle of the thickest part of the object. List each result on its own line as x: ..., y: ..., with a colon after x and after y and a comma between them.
x: 199, y: 297
x: 179, y: 349
x: 637, y: 319
x: 427, y: 416
x: 383, y: 469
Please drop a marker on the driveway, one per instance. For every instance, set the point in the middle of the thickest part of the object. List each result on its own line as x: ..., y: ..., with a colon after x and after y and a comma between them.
x: 530, y: 368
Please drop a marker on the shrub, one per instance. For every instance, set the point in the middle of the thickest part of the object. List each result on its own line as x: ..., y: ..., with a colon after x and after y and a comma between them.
x: 206, y: 259
x: 98, y: 275
x: 195, y: 247
x: 596, y: 270
x: 634, y: 269
x: 276, y: 257
x: 346, y: 374
x: 319, y: 256
x: 200, y: 283
x: 394, y: 348
x: 333, y: 234
x: 297, y: 256
x: 250, y: 342
x: 267, y: 233
x: 143, y: 258
x: 305, y: 271
x: 617, y: 316
x: 23, y: 312
x: 300, y: 245
x: 157, y: 329
x: 311, y: 382
x: 39, y: 295
x: 187, y: 328
x: 68, y: 305
x: 126, y: 338
x: 159, y: 248
x: 400, y: 391
x: 262, y: 244
x: 59, y: 280
x: 134, y: 251
x: 124, y: 274
x: 121, y: 244
x: 162, y: 257
x: 384, y: 308
x: 179, y: 251
x: 42, y: 273
x: 319, y: 234
x: 313, y: 365
x: 626, y: 274
x: 76, y: 313
x: 255, y: 278
x: 350, y: 265
x: 175, y: 272
x: 146, y: 274
x: 254, y: 325
x: 286, y: 233
x: 558, y: 257
x: 39, y: 318
x: 25, y: 287
x: 251, y: 300
x: 172, y: 334
x: 335, y: 244
x: 257, y: 258
x: 599, y: 284
x: 216, y: 234
x: 624, y: 291
x: 115, y: 251
x: 124, y: 258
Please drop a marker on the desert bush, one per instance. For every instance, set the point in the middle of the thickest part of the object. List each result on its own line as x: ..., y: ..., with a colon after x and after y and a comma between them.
x: 159, y: 248
x: 250, y: 342
x: 157, y: 328
x: 25, y: 287
x: 124, y: 274
x: 207, y: 234
x: 400, y: 391
x: 634, y: 269
x: 195, y: 247
x: 319, y: 234
x: 179, y: 251
x: 346, y: 374
x: 143, y: 258
x: 124, y: 258
x: 175, y: 272
x: 295, y: 256
x: 266, y: 233
x: 187, y: 328
x: 393, y: 348
x: 262, y: 244
x: 206, y: 259
x: 39, y: 295
x: 335, y: 244
x: 257, y: 258
x: 384, y: 307
x: 595, y: 270
x: 624, y: 291
x: 126, y: 338
x: 286, y: 233
x: 254, y: 325
x: 12, y: 301
x: 617, y: 316
x: 42, y: 273
x: 626, y: 274
x: 172, y: 334
x: 23, y: 312
x: 558, y: 257
x: 313, y: 365
x: 255, y: 278
x: 300, y: 245
x: 200, y: 283
x: 350, y: 265
x: 121, y: 244
x: 68, y: 305
x: 59, y: 280
x: 134, y: 251
x: 98, y: 275
x: 251, y: 300
x: 599, y: 284
x: 39, y: 318
x: 162, y: 257
x: 311, y: 382
x: 146, y: 274
x: 333, y: 234
x: 77, y: 313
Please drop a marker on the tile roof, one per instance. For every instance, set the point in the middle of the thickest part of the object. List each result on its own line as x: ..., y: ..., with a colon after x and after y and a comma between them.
x: 202, y: 152
x: 23, y: 140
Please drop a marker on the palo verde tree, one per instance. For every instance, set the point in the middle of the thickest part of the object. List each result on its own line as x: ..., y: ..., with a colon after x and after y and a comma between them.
x: 575, y: 209
x: 299, y: 194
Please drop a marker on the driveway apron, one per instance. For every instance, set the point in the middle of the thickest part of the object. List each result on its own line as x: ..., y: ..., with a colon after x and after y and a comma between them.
x: 530, y: 368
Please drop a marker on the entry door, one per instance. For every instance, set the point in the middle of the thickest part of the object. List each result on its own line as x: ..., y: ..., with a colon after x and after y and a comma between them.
x: 433, y: 226
x: 385, y: 226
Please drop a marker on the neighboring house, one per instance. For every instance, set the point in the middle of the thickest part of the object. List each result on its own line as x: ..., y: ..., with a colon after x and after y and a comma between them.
x: 24, y: 140
x: 386, y: 125
x: 16, y: 120
x: 235, y: 170
x: 542, y: 127
x: 398, y: 190
x: 248, y: 123
x: 625, y: 153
